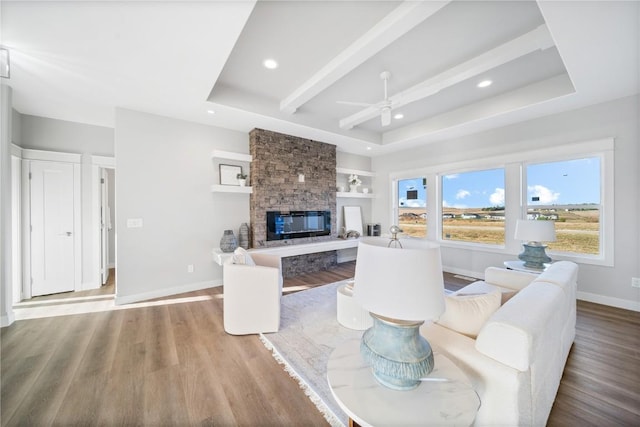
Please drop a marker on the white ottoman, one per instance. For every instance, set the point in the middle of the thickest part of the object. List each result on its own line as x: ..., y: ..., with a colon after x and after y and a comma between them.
x: 350, y: 314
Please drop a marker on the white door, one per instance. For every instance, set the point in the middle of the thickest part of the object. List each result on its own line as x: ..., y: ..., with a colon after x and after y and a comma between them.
x: 104, y: 225
x: 51, y: 217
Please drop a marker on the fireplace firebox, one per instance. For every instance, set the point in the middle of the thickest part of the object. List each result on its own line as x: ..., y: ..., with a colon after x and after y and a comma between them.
x: 297, y: 224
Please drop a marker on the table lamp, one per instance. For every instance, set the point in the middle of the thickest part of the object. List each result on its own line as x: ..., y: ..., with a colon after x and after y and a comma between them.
x: 401, y: 288
x: 533, y: 233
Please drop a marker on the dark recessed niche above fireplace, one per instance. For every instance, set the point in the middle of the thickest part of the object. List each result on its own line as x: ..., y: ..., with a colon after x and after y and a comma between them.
x: 297, y: 224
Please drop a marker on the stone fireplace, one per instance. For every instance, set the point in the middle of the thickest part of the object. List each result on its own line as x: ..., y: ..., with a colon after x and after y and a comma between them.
x: 279, y: 162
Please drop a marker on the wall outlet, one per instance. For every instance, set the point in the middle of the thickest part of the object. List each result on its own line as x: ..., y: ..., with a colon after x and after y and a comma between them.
x: 635, y: 282
x: 190, y: 268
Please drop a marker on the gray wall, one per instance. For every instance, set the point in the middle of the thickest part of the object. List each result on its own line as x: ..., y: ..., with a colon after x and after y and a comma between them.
x: 164, y: 175
x: 618, y: 119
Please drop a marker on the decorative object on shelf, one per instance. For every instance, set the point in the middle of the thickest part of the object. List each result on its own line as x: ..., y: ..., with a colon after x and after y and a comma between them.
x: 228, y: 242
x: 229, y: 174
x: 243, y: 235
x: 242, y: 179
x: 354, y: 182
x: 341, y: 189
x: 365, y: 190
x: 401, y: 288
x: 534, y: 232
x: 394, y: 242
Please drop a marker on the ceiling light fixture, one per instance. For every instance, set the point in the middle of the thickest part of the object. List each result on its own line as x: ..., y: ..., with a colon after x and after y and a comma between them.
x: 484, y: 83
x: 270, y: 64
x: 398, y: 116
x: 211, y: 111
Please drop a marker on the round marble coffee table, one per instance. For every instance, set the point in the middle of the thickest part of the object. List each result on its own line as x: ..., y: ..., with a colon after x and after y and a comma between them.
x: 446, y: 399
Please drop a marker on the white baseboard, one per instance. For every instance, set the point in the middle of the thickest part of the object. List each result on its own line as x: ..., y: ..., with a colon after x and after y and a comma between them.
x: 7, y: 319
x: 348, y: 258
x: 160, y: 293
x: 610, y: 301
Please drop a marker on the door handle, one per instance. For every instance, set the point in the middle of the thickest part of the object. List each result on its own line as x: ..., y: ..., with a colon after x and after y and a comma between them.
x: 66, y: 233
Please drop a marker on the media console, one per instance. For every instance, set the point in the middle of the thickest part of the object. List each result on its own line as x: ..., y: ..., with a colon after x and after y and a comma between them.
x: 293, y: 250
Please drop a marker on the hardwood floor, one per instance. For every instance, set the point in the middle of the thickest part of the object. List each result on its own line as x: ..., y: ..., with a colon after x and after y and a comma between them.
x: 173, y: 364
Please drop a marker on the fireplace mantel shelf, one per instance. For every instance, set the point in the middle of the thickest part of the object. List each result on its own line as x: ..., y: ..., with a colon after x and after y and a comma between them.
x: 292, y: 250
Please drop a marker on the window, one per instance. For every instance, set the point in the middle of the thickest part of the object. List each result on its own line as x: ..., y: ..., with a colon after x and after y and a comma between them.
x: 412, y: 206
x: 568, y: 193
x: 473, y: 206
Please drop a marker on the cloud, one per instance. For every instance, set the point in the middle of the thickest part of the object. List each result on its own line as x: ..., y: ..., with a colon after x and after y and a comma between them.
x: 461, y: 194
x: 497, y: 198
x: 546, y: 195
x: 452, y: 176
x: 412, y: 203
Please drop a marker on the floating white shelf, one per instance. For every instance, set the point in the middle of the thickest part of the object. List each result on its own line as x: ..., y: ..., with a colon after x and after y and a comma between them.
x: 345, y: 194
x: 347, y: 171
x: 230, y: 155
x: 231, y: 189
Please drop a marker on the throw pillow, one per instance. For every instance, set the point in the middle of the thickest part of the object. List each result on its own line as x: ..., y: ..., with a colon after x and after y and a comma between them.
x: 467, y: 314
x: 241, y: 256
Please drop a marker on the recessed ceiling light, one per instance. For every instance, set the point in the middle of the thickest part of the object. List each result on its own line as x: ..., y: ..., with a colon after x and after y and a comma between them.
x: 270, y: 64
x: 398, y: 116
x: 485, y: 83
x: 368, y: 148
x: 211, y: 111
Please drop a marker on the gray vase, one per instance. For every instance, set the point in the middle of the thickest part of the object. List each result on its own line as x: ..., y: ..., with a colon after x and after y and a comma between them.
x: 243, y: 236
x: 228, y: 242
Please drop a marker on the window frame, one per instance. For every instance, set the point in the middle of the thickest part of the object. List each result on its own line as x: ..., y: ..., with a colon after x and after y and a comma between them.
x: 514, y: 165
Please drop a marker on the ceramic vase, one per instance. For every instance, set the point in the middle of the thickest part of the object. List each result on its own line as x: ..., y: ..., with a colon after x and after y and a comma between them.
x: 354, y: 188
x: 228, y: 242
x: 243, y: 236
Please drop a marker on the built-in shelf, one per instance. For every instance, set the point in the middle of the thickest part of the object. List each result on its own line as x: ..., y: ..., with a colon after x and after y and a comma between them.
x: 346, y: 194
x: 231, y: 189
x: 347, y: 171
x: 230, y: 155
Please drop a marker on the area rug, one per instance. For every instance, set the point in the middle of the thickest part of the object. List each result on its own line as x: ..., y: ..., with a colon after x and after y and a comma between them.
x: 309, y: 331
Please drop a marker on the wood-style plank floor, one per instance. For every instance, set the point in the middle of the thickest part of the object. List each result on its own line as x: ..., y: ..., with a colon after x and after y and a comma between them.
x: 173, y: 364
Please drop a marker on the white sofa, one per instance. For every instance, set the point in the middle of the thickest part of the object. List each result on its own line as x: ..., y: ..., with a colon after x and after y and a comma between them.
x: 516, y: 362
x: 252, y: 293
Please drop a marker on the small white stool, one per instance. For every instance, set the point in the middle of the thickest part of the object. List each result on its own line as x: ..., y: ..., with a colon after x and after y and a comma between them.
x: 350, y: 314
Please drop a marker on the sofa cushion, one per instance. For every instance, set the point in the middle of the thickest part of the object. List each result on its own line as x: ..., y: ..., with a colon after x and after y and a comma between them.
x: 481, y: 287
x: 467, y: 314
x: 511, y: 279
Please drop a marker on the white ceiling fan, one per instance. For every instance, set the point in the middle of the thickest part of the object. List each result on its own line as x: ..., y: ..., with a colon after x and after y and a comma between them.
x: 384, y: 106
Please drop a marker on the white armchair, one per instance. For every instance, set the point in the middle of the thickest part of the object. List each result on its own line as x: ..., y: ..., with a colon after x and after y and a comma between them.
x: 252, y: 293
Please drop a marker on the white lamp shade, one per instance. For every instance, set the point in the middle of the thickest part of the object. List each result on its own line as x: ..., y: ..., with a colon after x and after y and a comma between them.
x: 401, y: 283
x: 535, y: 231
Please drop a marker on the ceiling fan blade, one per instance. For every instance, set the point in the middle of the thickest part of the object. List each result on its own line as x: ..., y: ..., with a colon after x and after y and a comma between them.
x: 385, y: 116
x: 357, y: 104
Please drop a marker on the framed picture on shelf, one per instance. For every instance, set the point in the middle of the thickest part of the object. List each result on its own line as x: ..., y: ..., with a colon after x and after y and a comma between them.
x: 229, y: 174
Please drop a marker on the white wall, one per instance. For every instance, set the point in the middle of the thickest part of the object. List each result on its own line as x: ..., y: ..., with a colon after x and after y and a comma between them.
x: 618, y: 119
x: 164, y: 174
x: 41, y: 133
x: 6, y: 299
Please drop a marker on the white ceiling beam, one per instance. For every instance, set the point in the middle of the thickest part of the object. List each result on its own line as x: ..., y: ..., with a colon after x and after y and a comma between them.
x: 538, y: 39
x: 393, y: 26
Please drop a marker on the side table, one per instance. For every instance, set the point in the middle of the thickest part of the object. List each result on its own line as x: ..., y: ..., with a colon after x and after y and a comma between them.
x: 350, y: 314
x: 447, y: 399
x: 519, y: 266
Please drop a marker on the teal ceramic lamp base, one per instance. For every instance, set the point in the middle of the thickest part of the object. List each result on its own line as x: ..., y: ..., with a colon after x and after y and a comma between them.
x: 399, y: 356
x: 534, y: 256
